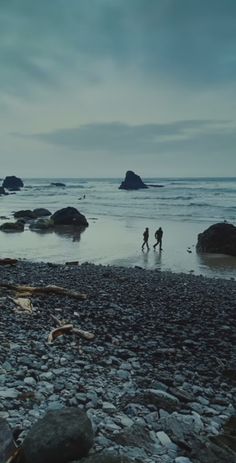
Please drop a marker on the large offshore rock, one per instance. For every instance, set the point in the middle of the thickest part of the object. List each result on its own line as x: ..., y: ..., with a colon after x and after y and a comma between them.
x: 218, y: 238
x: 12, y: 183
x: 60, y: 437
x: 69, y: 216
x: 132, y: 182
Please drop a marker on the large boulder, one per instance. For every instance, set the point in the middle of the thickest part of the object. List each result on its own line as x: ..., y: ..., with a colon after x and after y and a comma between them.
x: 69, y: 216
x: 12, y: 183
x: 17, y: 226
x: 60, y: 437
x: 218, y: 238
x: 7, y: 444
x: 132, y: 182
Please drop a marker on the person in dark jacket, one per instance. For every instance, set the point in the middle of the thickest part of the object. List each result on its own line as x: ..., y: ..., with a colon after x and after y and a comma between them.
x: 158, y: 236
x: 145, y: 239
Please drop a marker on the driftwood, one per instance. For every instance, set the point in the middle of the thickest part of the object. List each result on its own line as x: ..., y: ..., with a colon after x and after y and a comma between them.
x: 24, y: 304
x: 68, y: 328
x: 50, y: 289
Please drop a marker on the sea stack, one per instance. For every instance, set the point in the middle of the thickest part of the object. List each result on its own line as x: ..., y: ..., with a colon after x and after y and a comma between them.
x: 132, y: 182
x: 12, y: 183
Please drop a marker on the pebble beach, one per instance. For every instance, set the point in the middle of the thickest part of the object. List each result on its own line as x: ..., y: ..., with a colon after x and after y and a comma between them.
x: 158, y: 381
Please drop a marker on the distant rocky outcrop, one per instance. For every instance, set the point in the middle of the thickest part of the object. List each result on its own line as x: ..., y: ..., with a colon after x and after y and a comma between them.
x: 2, y: 191
x: 57, y: 184
x: 17, y: 226
x: 132, y: 182
x: 69, y: 216
x: 12, y: 183
x: 218, y: 238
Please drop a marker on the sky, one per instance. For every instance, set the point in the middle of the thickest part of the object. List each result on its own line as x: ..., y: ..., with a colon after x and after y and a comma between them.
x: 93, y: 88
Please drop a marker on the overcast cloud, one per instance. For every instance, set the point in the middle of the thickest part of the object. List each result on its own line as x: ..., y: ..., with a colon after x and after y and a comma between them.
x: 101, y: 86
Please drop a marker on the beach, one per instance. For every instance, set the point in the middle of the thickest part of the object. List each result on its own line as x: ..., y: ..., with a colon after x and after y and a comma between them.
x: 162, y: 362
x: 182, y: 207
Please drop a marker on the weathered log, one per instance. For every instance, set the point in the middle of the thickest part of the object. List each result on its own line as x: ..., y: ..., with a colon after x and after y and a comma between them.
x: 50, y: 289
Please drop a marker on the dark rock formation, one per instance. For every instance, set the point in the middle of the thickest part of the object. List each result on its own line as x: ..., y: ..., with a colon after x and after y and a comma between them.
x: 7, y: 444
x: 132, y: 182
x: 17, y: 226
x: 218, y: 238
x: 58, y: 184
x: 69, y: 216
x: 61, y: 436
x: 26, y: 214
x: 2, y: 191
x: 216, y: 449
x: 41, y: 224
x: 41, y: 212
x: 12, y: 183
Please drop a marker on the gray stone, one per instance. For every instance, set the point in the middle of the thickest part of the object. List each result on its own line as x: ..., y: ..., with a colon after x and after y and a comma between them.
x: 59, y: 437
x: 30, y: 381
x: 163, y: 438
x: 8, y: 393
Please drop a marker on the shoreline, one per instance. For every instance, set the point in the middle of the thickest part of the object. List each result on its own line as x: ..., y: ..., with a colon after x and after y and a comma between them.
x: 110, y: 241
x: 163, y: 355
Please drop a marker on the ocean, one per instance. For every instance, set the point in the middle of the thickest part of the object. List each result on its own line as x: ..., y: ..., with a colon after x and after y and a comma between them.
x: 183, y: 207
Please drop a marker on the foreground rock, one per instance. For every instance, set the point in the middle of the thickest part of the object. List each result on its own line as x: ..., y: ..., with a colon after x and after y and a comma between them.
x: 12, y: 183
x: 60, y: 437
x: 218, y: 238
x: 17, y: 226
x: 69, y: 216
x: 7, y: 445
x: 132, y: 182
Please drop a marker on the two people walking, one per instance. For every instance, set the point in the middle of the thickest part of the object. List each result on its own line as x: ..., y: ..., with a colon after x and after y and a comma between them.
x: 158, y: 236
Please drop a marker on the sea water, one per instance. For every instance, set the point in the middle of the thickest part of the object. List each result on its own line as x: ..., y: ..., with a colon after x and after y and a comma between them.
x: 117, y: 218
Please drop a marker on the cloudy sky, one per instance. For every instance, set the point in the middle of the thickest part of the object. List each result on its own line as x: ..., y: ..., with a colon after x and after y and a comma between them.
x: 98, y: 87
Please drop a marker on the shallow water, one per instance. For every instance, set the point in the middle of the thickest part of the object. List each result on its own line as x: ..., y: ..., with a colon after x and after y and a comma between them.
x: 117, y: 220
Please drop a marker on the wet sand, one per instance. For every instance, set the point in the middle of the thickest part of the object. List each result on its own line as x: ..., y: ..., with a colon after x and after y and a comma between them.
x: 111, y: 241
